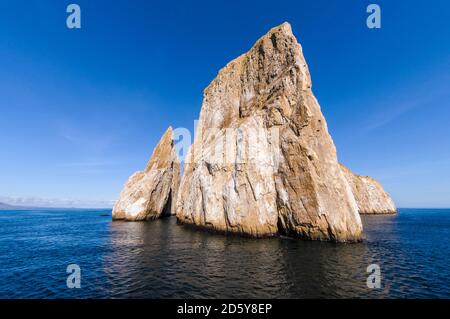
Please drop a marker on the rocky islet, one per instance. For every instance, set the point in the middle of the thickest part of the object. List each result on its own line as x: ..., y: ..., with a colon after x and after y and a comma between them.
x: 262, y: 162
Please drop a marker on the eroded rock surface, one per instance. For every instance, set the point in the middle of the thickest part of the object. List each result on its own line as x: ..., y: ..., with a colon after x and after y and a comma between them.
x: 289, y: 181
x: 150, y: 194
x: 369, y: 194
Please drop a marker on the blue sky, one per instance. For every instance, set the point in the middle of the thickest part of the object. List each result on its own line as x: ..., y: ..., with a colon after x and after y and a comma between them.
x: 82, y: 109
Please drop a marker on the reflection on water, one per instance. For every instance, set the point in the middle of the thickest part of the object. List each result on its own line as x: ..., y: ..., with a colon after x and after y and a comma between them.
x: 161, y: 259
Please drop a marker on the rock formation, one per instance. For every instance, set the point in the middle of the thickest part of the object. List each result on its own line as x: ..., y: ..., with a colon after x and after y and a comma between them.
x: 262, y: 162
x: 150, y: 194
x: 369, y: 194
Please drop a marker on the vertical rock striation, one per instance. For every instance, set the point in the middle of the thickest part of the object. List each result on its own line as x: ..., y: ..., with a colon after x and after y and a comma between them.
x: 262, y: 162
x: 369, y: 194
x: 150, y: 194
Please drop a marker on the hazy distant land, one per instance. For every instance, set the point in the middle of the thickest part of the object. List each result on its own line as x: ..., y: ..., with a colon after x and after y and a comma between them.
x: 4, y: 206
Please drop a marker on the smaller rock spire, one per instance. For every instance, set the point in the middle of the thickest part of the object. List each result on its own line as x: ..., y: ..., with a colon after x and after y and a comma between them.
x: 369, y: 194
x: 149, y: 194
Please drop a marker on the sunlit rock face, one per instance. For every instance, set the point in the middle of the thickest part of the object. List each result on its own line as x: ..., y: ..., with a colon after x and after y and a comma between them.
x: 369, y: 194
x: 262, y: 162
x: 150, y: 194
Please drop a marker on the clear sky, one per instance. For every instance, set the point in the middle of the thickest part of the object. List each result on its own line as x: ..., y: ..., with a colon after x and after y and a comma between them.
x: 82, y: 109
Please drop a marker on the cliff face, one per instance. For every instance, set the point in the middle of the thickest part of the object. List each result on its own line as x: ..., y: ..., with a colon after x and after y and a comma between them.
x: 149, y: 194
x: 369, y: 194
x: 262, y: 162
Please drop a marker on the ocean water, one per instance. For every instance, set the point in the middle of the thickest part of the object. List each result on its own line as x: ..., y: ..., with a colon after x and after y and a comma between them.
x: 161, y: 259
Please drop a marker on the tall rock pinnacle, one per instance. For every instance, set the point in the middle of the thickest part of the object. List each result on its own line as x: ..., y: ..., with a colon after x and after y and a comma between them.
x: 151, y: 193
x: 262, y: 162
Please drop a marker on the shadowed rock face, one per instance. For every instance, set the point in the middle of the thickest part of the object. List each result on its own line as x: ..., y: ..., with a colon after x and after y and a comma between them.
x: 149, y: 194
x: 369, y: 194
x: 289, y: 181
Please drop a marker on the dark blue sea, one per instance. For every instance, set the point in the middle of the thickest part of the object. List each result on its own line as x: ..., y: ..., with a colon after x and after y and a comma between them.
x: 161, y: 259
